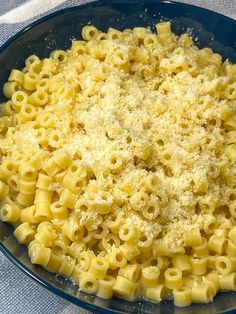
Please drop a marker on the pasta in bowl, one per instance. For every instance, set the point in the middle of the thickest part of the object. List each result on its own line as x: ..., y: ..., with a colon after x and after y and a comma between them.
x: 118, y: 164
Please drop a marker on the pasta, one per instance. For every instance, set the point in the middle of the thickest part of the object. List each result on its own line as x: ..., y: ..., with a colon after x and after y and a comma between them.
x: 118, y: 164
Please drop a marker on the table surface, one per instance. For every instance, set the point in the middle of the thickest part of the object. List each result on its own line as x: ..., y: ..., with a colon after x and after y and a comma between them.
x: 19, y: 293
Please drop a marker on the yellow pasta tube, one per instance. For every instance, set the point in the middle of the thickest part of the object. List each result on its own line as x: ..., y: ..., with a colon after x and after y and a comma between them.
x: 67, y: 266
x: 68, y: 199
x: 163, y: 28
x: 131, y: 272
x: 62, y: 158
x: 117, y: 258
x: 72, y: 230
x: 231, y: 70
x: 160, y: 248
x: 127, y: 233
x: 51, y: 168
x: 9, y: 213
x: 230, y: 248
x: 60, y: 245
x: 227, y: 282
x: 173, y: 278
x: 109, y: 240
x: 3, y: 190
x: 30, y: 81
x: 217, y: 244
x: 101, y: 231
x: 155, y: 293
x: 42, y: 211
x: 40, y: 255
x: 102, y: 203
x: 76, y: 248
x: 10, y: 88
x: 16, y: 76
x: 27, y: 214
x: 58, y: 211
x: 181, y: 262
x: 225, y: 265
x: 105, y: 287
x: 13, y: 183
x: 198, y: 265
x: 202, y: 249
x: 84, y: 259
x: 123, y: 287
x: 36, y: 66
x: 7, y: 109
x: 130, y: 250
x: 75, y: 184
x: 59, y: 55
x: 150, y: 275
x: 19, y: 98
x: 212, y: 279
x: 44, y: 182
x: 25, y: 199
x: 45, y: 236
x: 7, y: 169
x: 54, y: 263
x: 150, y: 41
x: 31, y: 60
x: 193, y: 238
x: 202, y: 293
x: 98, y: 267
x: 88, y: 283
x: 89, y: 32
x: 31, y: 245
x: 43, y: 83
x: 24, y: 233
x: 27, y: 187
x: 43, y: 196
x: 232, y: 235
x: 37, y: 160
x: 27, y: 172
x: 75, y: 276
x: 38, y: 98
x: 182, y: 297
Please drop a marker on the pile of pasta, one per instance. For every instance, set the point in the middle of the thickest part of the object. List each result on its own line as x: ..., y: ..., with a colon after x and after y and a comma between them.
x: 118, y: 164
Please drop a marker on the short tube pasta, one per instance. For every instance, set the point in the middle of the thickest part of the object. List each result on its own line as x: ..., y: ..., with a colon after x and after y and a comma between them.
x: 182, y: 297
x: 98, y: 267
x: 202, y: 293
x: 123, y: 287
x: 155, y: 293
x: 88, y: 283
x: 9, y: 213
x: 150, y: 275
x: 19, y: 98
x: 24, y: 233
x: 173, y: 278
x: 105, y: 287
x: 40, y: 255
x: 16, y: 76
x: 67, y: 266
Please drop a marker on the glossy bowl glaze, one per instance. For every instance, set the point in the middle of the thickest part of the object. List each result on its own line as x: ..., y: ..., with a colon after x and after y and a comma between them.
x: 56, y: 31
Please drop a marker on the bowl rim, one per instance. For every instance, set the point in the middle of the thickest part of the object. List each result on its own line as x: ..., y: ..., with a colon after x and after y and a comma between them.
x: 57, y: 291
x: 46, y: 17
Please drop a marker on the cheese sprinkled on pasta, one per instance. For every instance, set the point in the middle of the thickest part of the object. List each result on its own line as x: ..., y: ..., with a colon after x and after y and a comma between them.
x: 118, y: 164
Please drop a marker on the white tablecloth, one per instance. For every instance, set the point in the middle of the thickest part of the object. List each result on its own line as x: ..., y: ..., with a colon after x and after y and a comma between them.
x: 19, y: 294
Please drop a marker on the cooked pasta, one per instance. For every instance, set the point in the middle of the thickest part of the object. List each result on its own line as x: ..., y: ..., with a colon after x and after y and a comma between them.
x: 118, y: 164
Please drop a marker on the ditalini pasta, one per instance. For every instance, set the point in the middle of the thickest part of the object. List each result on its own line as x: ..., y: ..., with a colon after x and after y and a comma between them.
x: 118, y: 164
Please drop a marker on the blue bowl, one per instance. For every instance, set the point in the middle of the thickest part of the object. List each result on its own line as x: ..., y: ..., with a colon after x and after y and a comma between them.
x: 56, y: 31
